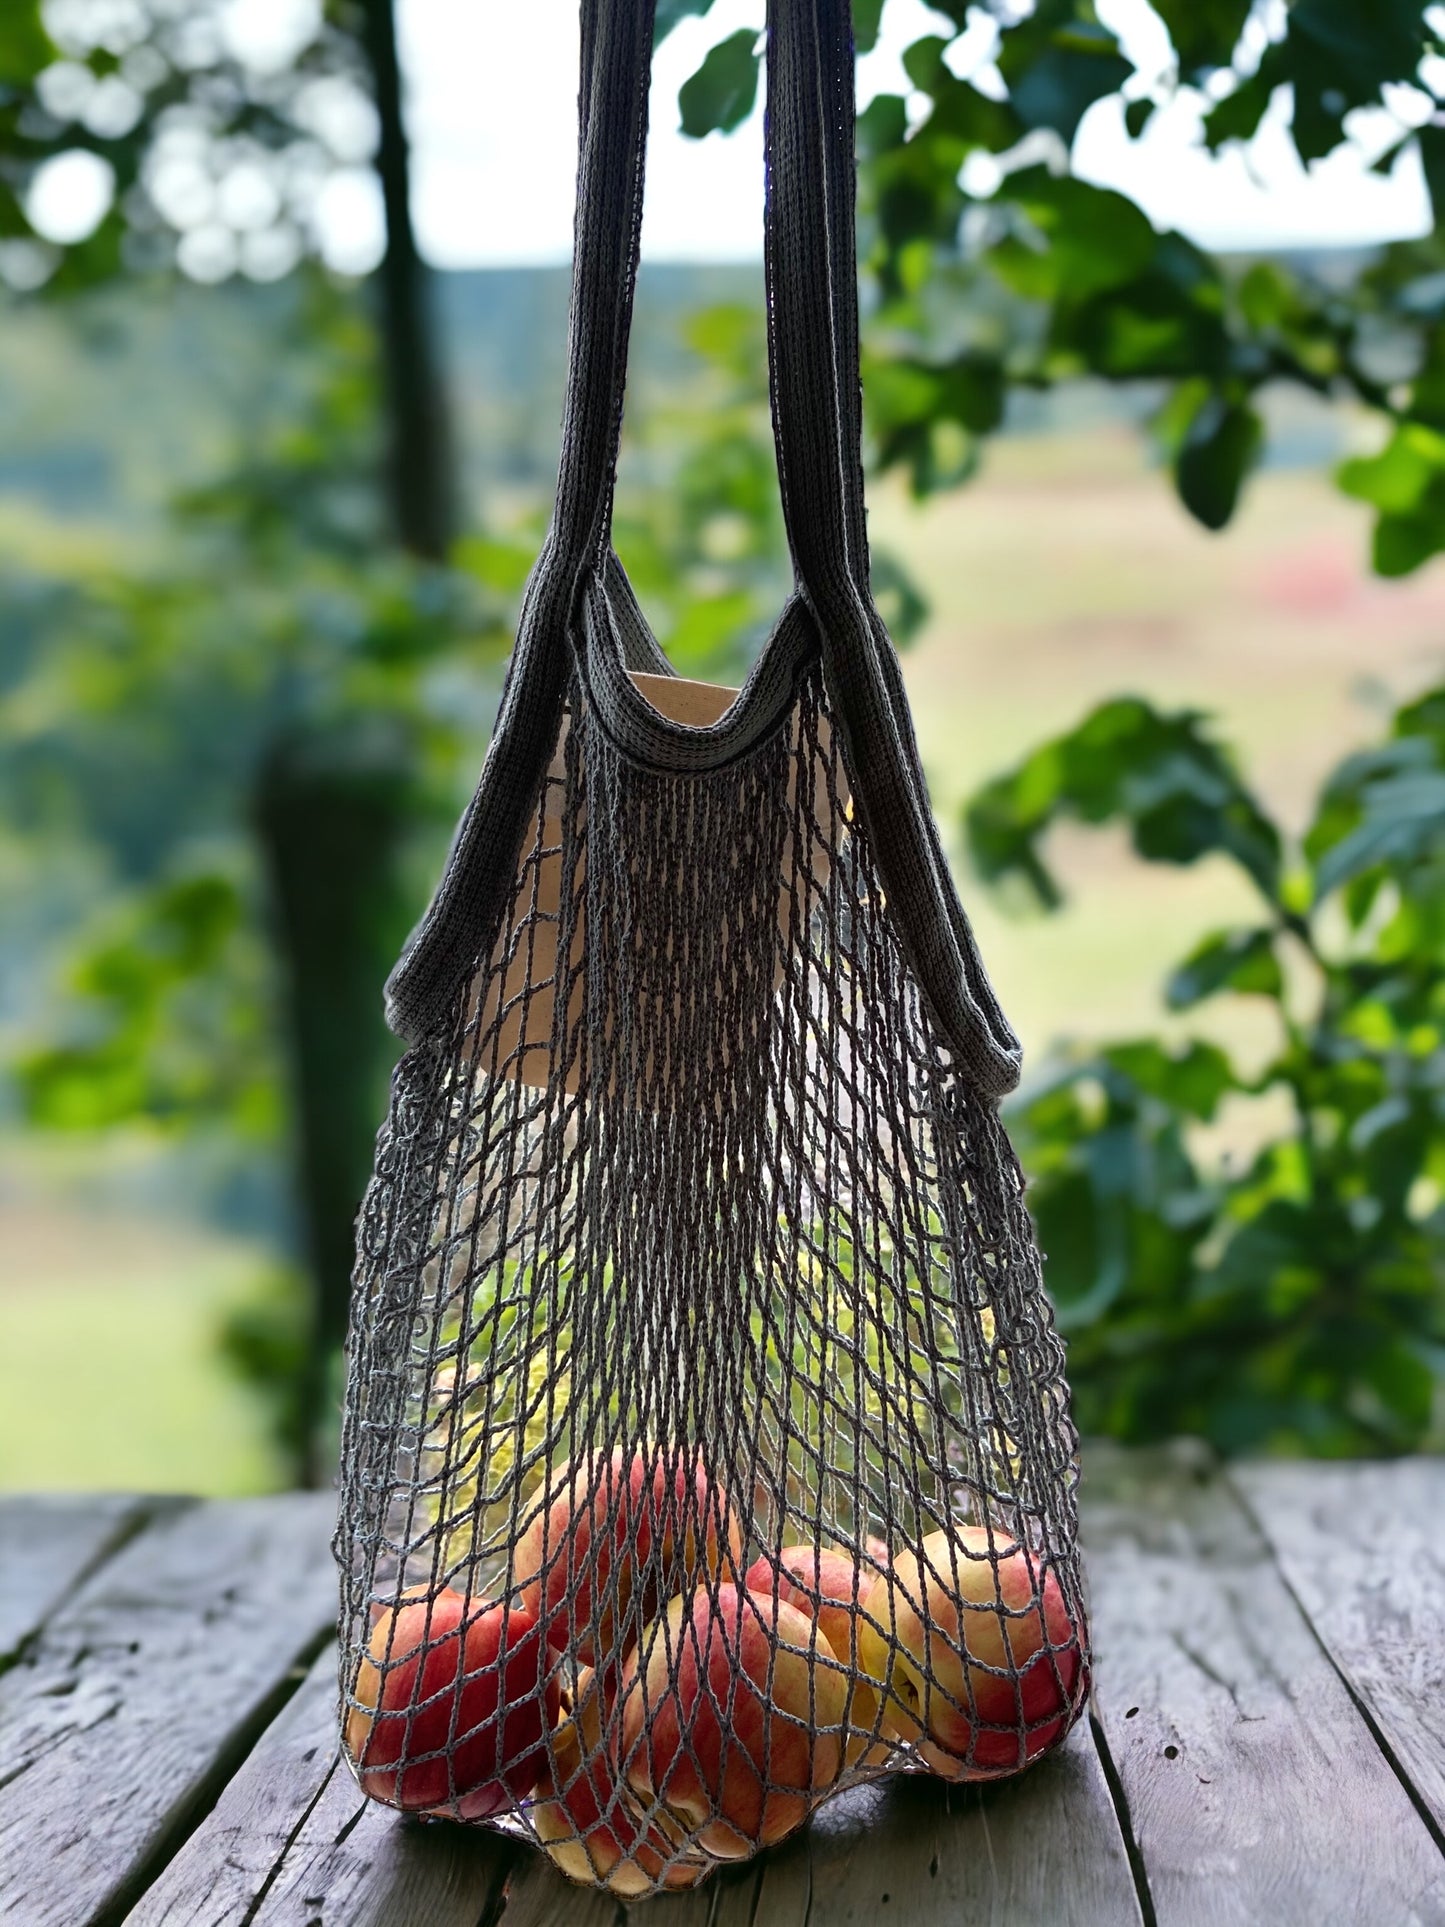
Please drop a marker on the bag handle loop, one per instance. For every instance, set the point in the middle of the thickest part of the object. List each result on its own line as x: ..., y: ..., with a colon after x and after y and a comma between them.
x: 812, y: 291
x: 811, y: 275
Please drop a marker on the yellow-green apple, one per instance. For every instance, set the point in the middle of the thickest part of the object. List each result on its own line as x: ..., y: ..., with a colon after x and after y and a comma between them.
x: 591, y: 1823
x: 651, y: 1520
x: 830, y: 1587
x: 452, y: 1699
x: 732, y: 1716
x: 980, y: 1671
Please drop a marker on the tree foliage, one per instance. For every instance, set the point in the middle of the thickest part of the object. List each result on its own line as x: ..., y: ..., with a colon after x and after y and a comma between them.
x: 260, y: 735
x: 211, y: 144
x: 1294, y: 1300
x: 263, y: 732
x: 1039, y: 276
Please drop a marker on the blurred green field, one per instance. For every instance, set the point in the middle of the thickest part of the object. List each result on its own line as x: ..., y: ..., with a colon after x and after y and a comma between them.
x: 1067, y: 574
x: 109, y: 1378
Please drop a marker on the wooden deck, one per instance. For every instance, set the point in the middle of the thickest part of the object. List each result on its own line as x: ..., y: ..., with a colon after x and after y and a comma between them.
x: 1267, y: 1743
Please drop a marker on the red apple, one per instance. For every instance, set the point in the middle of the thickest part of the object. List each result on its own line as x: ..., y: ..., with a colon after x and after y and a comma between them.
x: 612, y: 1525
x: 733, y: 1740
x: 830, y: 1587
x: 453, y: 1698
x: 981, y: 1671
x: 592, y: 1824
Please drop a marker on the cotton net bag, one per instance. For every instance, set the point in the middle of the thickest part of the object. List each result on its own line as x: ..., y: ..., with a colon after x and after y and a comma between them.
x: 706, y: 1442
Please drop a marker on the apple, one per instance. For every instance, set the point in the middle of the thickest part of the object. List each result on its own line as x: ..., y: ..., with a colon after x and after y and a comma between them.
x: 1001, y: 1653
x: 736, y: 1742
x: 830, y: 1587
x: 610, y: 1523
x: 453, y: 1698
x: 590, y: 1822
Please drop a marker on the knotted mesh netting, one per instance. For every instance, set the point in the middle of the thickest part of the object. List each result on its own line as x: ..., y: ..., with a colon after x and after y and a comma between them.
x: 706, y: 1445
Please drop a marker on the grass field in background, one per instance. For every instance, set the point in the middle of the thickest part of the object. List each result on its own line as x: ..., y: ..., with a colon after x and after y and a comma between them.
x: 109, y: 1376
x: 1067, y: 574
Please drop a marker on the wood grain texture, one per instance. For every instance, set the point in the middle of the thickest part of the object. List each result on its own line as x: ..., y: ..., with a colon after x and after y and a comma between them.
x: 538, y: 1896
x: 291, y: 1840
x: 727, y: 1899
x: 47, y: 1543
x: 1043, y: 1847
x: 1363, y: 1548
x: 134, y: 1702
x: 1255, y: 1789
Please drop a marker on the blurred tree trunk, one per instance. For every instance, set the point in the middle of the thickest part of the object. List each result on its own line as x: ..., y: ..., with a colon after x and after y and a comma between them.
x: 421, y: 482
x: 332, y: 816
x: 332, y: 832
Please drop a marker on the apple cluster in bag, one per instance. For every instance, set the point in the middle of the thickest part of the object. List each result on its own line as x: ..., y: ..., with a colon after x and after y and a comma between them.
x: 648, y: 1706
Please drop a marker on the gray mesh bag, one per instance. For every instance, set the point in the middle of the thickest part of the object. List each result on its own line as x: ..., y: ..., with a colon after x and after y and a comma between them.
x: 706, y: 1442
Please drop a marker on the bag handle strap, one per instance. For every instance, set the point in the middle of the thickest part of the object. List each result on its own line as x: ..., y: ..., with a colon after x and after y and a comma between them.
x: 812, y: 290
x: 817, y: 417
x: 612, y: 141
x: 810, y: 264
x: 611, y: 160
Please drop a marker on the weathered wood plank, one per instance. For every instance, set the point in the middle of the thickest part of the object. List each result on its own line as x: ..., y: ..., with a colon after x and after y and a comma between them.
x: 728, y: 1898
x: 1043, y: 1847
x: 1361, y: 1547
x: 1255, y: 1790
x: 291, y: 1840
x: 538, y: 1896
x: 47, y: 1543
x: 133, y: 1703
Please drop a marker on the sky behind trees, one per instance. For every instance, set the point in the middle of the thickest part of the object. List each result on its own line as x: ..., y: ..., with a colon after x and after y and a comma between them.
x: 492, y: 108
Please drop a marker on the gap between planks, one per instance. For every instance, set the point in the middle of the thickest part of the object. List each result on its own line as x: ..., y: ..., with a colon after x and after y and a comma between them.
x: 1250, y: 1780
x: 292, y: 1840
x: 1359, y: 1546
x: 50, y: 1544
x: 142, y: 1691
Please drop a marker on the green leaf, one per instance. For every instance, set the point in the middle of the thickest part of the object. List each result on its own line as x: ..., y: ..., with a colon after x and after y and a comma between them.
x: 1237, y: 116
x: 1137, y: 116
x: 882, y: 125
x: 1402, y: 542
x: 1056, y: 67
x: 1406, y: 482
x: 1398, y: 479
x: 1403, y: 826
x: 1404, y: 1383
x: 866, y: 16
x: 1431, y: 142
x: 1283, y: 1237
x: 669, y: 12
x: 1192, y: 1080
x: 1222, y: 444
x: 720, y: 95
x: 1093, y: 239
x: 1343, y: 54
x: 1205, y: 33
x: 25, y: 47
x: 1238, y: 960
x: 962, y: 113
x: 1160, y: 773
